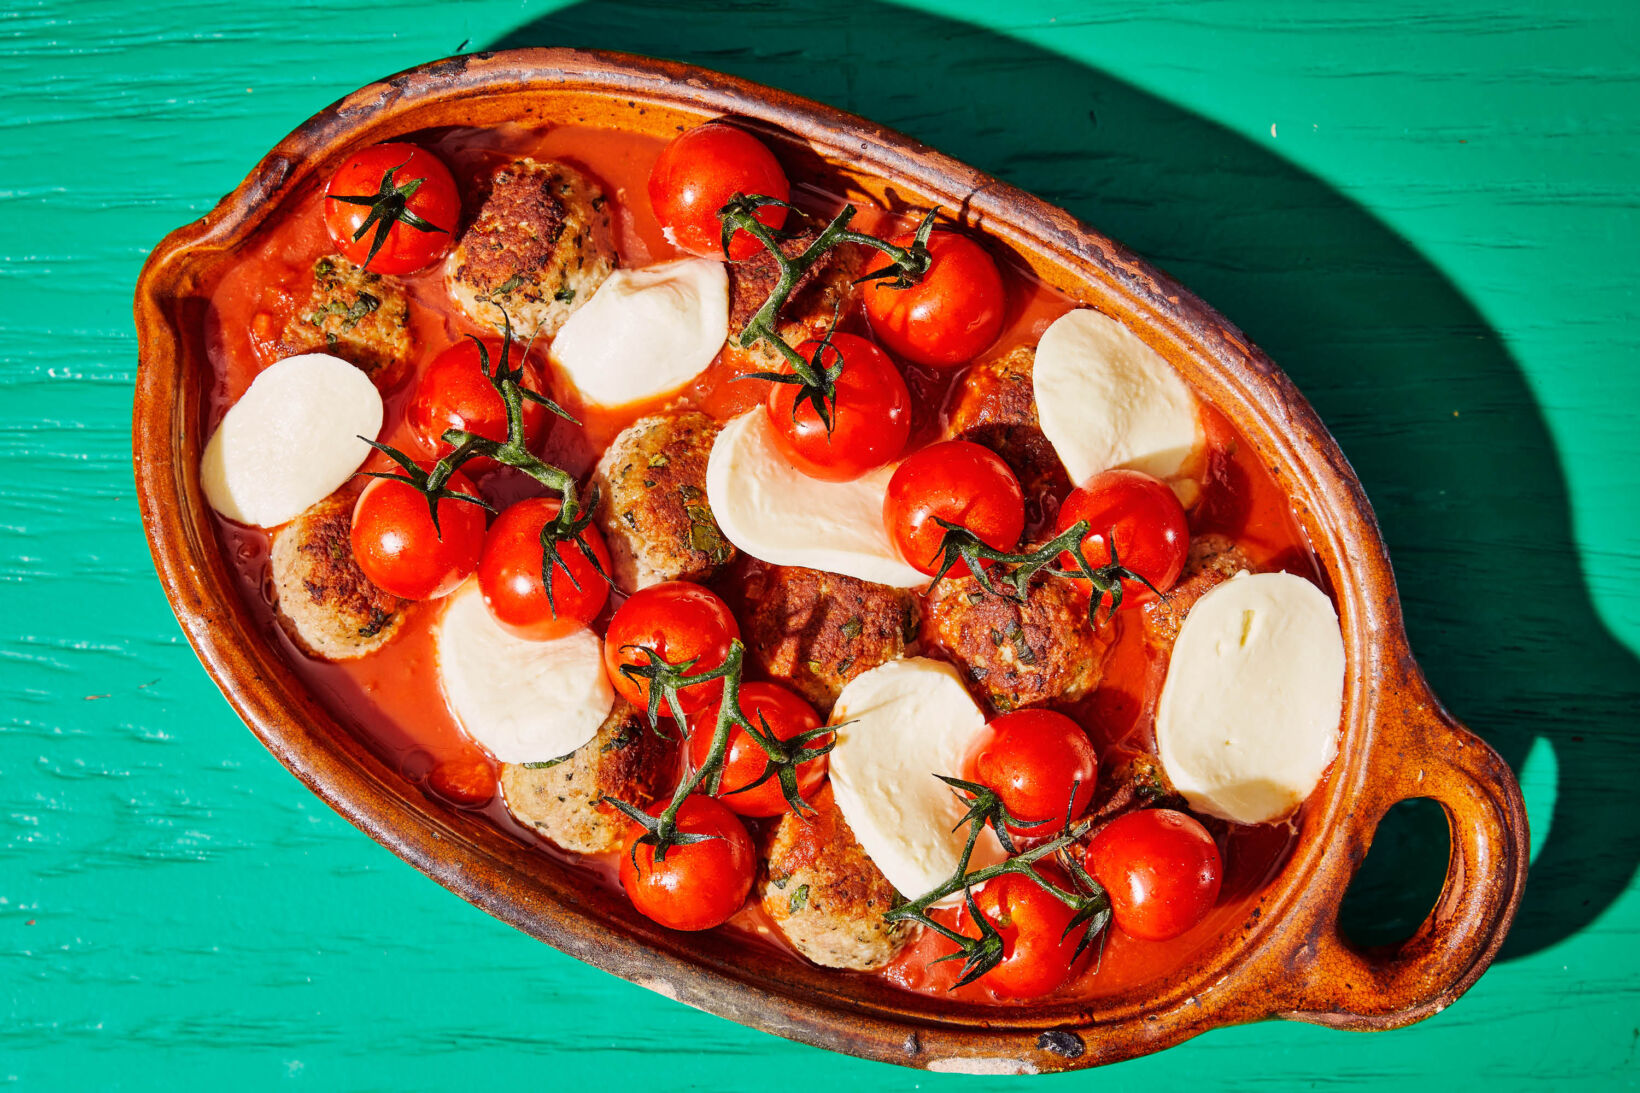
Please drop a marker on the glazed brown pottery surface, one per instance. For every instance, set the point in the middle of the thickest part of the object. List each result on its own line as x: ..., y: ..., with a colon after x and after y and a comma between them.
x: 1287, y: 959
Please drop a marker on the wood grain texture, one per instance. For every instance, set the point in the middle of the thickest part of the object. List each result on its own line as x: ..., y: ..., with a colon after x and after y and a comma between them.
x: 1435, y: 240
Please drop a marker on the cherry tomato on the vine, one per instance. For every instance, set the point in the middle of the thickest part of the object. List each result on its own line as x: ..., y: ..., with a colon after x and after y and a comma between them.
x: 454, y: 393
x: 1032, y: 759
x: 961, y: 483
x: 697, y: 885
x: 409, y: 198
x: 1038, y: 955
x: 509, y: 574
x: 680, y: 621
x: 871, y: 415
x: 1161, y: 869
x: 399, y: 549
x: 468, y: 781
x: 1144, y: 515
x: 696, y: 175
x: 951, y: 315
x: 787, y: 715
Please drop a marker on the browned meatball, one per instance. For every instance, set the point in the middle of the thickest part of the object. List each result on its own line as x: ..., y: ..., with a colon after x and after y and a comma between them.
x: 1020, y: 653
x: 815, y: 631
x: 652, y: 506
x: 826, y: 896
x: 539, y: 247
x: 821, y: 294
x: 1213, y: 559
x: 326, y: 604
x: 561, y: 798
x: 996, y: 406
x: 360, y: 316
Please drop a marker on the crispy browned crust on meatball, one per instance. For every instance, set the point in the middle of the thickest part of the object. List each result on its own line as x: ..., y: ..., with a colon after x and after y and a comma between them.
x: 821, y: 294
x: 825, y: 895
x: 357, y: 315
x: 1020, y: 653
x: 652, y: 502
x: 1134, y: 783
x: 1213, y: 559
x: 539, y: 247
x: 996, y: 407
x: 814, y: 631
x: 325, y: 602
x: 562, y: 798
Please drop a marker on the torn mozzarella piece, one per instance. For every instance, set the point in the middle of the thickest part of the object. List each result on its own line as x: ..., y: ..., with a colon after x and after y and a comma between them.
x: 773, y: 511
x: 526, y: 701
x: 290, y: 440
x: 1106, y: 399
x: 1249, y: 714
x: 645, y: 332
x: 899, y: 725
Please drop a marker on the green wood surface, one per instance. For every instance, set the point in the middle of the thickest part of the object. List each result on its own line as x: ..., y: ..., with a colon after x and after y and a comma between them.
x: 1427, y: 213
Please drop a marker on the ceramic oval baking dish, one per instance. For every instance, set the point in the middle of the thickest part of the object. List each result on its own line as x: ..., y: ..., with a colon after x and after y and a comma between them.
x: 1287, y: 959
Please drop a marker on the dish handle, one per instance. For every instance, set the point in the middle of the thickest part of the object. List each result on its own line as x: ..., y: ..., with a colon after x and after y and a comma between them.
x: 1419, y: 750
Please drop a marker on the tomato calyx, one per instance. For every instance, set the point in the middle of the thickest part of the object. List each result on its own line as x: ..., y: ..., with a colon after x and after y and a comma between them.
x: 430, y: 484
x: 908, y: 267
x: 388, y: 206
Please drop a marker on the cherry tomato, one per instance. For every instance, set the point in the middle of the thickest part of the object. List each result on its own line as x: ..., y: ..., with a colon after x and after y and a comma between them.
x: 787, y: 715
x: 696, y: 175
x: 1038, y: 955
x: 961, y: 483
x: 1147, y: 520
x: 454, y: 393
x: 469, y: 782
x: 509, y: 574
x: 1161, y: 868
x: 871, y: 417
x: 697, y: 885
x: 1032, y: 759
x: 680, y: 621
x: 948, y: 317
x: 401, y: 552
x: 414, y: 196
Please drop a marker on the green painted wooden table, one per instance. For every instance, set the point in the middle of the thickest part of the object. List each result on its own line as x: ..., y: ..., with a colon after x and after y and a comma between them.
x: 1428, y: 214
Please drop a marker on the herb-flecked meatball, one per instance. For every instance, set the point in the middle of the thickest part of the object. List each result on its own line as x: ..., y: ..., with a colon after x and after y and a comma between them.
x: 996, y: 407
x: 821, y: 294
x: 814, y: 631
x: 539, y: 247
x: 359, y: 316
x: 652, y: 502
x: 1212, y: 560
x: 326, y: 603
x: 826, y: 896
x: 561, y: 798
x: 1020, y: 653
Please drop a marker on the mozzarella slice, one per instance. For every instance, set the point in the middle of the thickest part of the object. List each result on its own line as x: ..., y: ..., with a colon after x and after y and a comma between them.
x: 1248, y: 719
x: 1106, y: 399
x: 899, y: 725
x: 773, y: 511
x: 290, y: 440
x: 645, y: 332
x: 526, y: 701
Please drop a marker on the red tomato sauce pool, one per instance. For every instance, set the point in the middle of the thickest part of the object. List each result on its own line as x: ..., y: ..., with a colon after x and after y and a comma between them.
x: 392, y: 698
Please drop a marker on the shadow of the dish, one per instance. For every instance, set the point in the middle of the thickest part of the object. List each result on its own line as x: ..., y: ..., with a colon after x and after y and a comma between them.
x: 1434, y: 415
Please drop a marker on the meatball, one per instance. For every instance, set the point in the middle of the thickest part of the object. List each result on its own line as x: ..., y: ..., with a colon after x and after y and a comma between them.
x: 326, y: 603
x: 561, y: 798
x: 359, y: 316
x: 540, y: 245
x: 821, y: 294
x: 826, y: 896
x: 815, y: 631
x: 1213, y: 559
x: 652, y: 502
x: 1021, y: 653
x: 996, y: 406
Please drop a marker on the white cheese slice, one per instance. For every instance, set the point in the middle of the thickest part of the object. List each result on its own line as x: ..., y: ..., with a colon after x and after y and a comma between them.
x: 1249, y: 714
x: 290, y: 440
x: 645, y: 332
x: 773, y: 511
x: 899, y: 725
x: 526, y: 701
x: 1106, y: 399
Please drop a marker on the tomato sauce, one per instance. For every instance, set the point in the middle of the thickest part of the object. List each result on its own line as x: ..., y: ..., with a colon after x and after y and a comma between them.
x: 392, y: 698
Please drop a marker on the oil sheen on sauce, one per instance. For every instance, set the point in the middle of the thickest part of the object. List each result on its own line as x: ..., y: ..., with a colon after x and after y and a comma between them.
x: 392, y: 698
